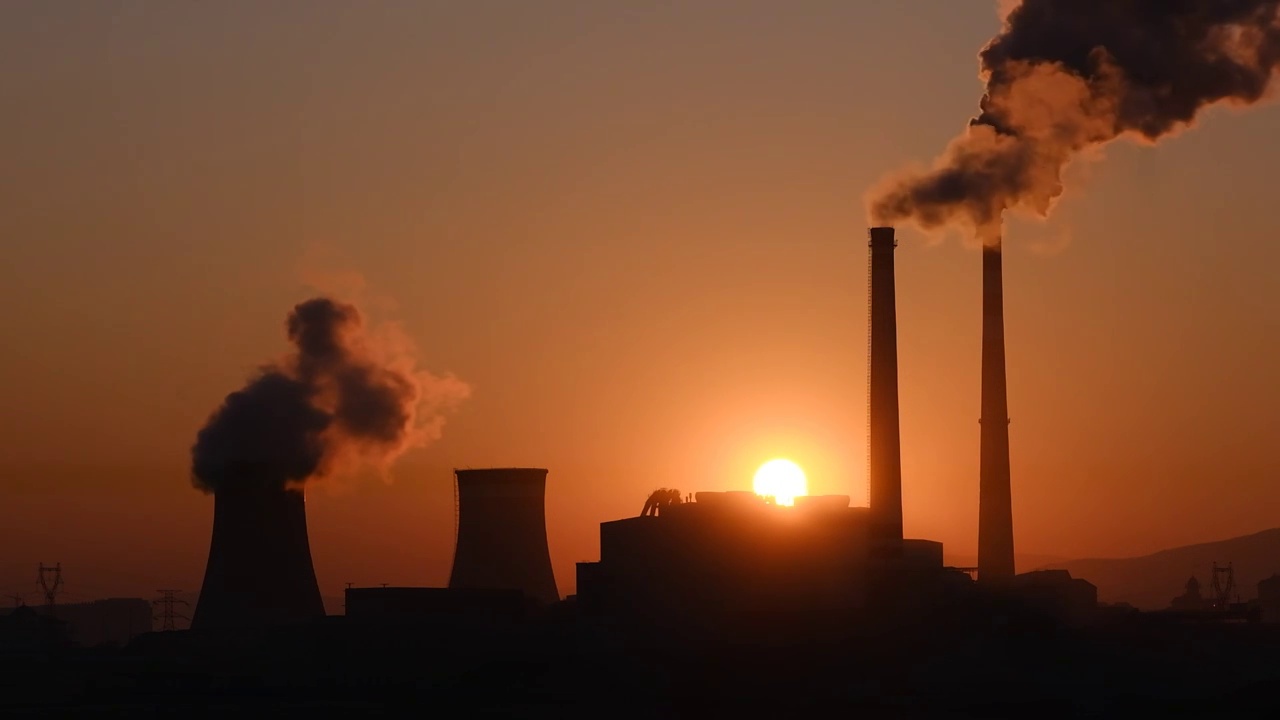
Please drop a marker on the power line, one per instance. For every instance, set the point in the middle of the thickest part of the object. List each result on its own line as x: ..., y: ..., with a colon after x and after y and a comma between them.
x: 167, y: 616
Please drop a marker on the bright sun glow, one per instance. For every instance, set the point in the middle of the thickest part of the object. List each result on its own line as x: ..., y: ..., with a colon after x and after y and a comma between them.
x: 781, y: 479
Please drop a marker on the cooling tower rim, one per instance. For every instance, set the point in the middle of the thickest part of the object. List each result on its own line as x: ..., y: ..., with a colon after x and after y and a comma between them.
x: 524, y: 481
x: 238, y: 492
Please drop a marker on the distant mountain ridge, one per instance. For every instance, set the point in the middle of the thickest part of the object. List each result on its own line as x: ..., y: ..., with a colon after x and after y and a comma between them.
x: 1150, y: 582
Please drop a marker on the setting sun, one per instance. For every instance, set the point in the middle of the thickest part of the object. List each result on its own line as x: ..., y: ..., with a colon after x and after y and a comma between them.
x: 782, y: 480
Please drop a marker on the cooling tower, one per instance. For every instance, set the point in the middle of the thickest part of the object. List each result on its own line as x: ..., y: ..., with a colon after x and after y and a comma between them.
x: 259, y: 571
x: 502, y: 533
x: 995, y: 506
x: 884, y: 445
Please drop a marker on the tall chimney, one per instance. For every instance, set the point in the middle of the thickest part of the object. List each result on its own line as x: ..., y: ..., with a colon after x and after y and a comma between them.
x: 502, y: 533
x: 995, y: 506
x: 884, y: 446
x: 259, y: 571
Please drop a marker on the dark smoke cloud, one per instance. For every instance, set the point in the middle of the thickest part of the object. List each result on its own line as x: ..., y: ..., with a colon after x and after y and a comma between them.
x: 340, y: 397
x: 1065, y: 76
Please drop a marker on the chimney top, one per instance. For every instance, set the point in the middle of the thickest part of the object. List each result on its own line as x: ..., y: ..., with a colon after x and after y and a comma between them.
x: 882, y: 238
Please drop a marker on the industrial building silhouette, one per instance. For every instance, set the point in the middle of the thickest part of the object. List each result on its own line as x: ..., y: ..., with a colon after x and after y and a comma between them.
x: 733, y: 554
x: 729, y: 552
x: 733, y: 559
x: 827, y: 597
x: 712, y: 558
x: 109, y: 621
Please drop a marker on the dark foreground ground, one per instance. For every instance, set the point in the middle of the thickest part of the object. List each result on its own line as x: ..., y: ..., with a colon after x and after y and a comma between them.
x: 569, y: 667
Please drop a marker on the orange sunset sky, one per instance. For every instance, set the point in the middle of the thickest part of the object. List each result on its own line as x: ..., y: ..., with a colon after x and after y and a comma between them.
x: 637, y: 231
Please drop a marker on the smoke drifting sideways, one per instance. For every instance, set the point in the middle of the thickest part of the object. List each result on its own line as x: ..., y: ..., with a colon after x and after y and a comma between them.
x: 341, y: 398
x: 1067, y: 76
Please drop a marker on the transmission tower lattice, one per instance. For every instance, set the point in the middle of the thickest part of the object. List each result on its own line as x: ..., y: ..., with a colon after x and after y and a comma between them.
x: 1224, y: 584
x: 167, y: 601
x: 50, y: 583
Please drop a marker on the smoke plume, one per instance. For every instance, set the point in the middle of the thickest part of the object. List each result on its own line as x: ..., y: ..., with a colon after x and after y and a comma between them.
x: 342, y: 397
x: 1065, y: 76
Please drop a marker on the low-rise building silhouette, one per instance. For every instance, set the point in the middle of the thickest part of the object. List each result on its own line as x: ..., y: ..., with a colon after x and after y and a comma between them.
x: 25, y: 630
x: 418, y: 604
x: 1269, y: 599
x: 1070, y: 600
x: 111, y: 621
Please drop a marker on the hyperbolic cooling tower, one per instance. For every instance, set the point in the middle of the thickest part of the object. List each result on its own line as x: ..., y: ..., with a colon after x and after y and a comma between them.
x: 259, y: 571
x: 995, y: 505
x: 884, y: 444
x: 502, y: 533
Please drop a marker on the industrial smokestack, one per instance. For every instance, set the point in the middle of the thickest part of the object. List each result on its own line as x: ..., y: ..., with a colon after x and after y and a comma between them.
x: 502, y: 533
x: 1065, y: 78
x: 995, y: 505
x: 884, y: 451
x: 259, y: 571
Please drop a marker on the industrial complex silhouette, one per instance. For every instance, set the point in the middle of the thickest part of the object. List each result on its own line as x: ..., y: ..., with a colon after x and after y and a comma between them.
x: 687, y: 601
x: 733, y: 559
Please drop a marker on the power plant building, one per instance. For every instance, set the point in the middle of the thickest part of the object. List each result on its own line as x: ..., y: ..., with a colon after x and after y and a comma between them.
x: 730, y: 552
x: 734, y: 554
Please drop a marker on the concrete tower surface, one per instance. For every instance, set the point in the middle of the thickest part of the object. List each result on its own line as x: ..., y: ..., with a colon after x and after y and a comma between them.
x: 259, y: 571
x: 884, y: 443
x: 502, y: 533
x: 995, y: 504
